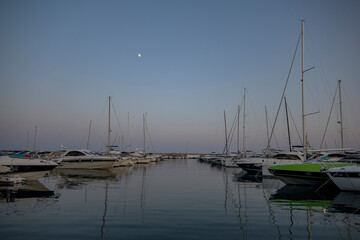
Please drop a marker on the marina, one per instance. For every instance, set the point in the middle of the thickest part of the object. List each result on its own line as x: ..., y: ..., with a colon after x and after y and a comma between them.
x: 173, y: 199
x: 145, y: 120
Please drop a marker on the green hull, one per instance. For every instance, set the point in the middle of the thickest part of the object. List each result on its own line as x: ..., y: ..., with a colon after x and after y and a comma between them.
x: 313, y: 173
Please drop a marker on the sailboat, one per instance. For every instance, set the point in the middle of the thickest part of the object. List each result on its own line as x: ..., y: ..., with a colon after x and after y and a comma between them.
x: 307, y: 173
x: 143, y: 159
x: 85, y: 159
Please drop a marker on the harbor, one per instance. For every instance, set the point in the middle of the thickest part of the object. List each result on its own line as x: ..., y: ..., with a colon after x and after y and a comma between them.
x: 179, y: 119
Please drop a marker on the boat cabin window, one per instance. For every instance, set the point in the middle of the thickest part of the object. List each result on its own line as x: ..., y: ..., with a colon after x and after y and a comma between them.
x: 93, y: 153
x: 75, y: 153
x: 286, y: 156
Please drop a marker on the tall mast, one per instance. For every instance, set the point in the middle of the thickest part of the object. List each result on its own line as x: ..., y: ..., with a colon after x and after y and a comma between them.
x: 109, y: 130
x: 341, y: 117
x: 267, y: 127
x: 287, y: 122
x: 244, y: 149
x: 226, y: 138
x: 303, y: 92
x: 144, y: 128
x: 128, y: 134
x: 88, y: 141
x: 238, y: 131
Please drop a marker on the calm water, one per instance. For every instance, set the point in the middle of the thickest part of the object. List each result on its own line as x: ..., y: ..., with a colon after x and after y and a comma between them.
x: 173, y: 199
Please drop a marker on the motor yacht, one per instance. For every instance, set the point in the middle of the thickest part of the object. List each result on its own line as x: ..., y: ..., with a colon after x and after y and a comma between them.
x: 26, y: 168
x: 84, y: 159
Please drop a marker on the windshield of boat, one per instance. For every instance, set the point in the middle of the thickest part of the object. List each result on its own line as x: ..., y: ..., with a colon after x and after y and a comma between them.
x: 354, y: 159
x: 75, y: 153
x: 287, y: 156
x: 93, y: 153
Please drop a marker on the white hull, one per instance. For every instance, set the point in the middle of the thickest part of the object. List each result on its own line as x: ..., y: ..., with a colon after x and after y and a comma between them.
x: 86, y: 164
x: 123, y: 163
x: 26, y: 168
x: 346, y: 178
x: 229, y: 163
x: 142, y: 161
x: 84, y: 159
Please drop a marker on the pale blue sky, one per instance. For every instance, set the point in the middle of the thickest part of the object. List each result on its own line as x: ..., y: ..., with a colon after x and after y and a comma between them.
x: 60, y: 60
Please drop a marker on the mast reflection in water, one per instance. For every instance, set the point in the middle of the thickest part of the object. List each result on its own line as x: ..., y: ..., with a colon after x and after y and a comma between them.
x: 173, y: 199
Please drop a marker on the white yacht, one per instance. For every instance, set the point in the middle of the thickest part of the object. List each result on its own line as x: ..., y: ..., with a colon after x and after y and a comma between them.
x: 84, y: 159
x: 259, y: 165
x: 346, y: 178
x: 25, y: 168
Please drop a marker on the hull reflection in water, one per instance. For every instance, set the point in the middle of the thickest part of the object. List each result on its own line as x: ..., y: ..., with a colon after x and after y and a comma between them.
x: 178, y: 199
x: 346, y: 202
x: 304, y: 198
x: 25, y: 191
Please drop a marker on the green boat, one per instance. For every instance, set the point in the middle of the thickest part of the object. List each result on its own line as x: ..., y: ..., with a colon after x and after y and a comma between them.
x: 309, y: 173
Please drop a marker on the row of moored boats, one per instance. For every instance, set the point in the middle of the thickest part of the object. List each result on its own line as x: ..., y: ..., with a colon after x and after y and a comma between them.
x: 25, y: 167
x: 341, y: 168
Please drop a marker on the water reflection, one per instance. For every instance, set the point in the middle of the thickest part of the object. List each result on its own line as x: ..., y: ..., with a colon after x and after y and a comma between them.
x: 162, y: 200
x: 74, y: 178
x: 24, y: 191
x: 346, y: 202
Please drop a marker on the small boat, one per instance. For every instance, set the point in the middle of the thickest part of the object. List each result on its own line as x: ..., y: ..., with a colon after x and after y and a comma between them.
x: 25, y: 168
x: 346, y: 178
x: 84, y: 159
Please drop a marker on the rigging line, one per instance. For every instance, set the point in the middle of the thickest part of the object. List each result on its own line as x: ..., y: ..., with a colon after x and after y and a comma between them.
x: 297, y: 131
x: 282, y: 96
x: 317, y: 61
x: 327, y: 124
x: 238, y: 111
x: 277, y: 143
x: 232, y: 129
x: 121, y: 132
x: 96, y: 134
x: 148, y: 135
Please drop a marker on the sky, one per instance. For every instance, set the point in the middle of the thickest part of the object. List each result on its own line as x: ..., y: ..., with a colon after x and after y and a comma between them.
x: 61, y: 60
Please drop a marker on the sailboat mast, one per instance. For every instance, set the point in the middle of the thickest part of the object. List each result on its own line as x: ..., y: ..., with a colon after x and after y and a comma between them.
x: 88, y: 141
x: 144, y: 128
x: 303, y: 92
x: 287, y: 122
x: 226, y: 138
x: 267, y: 127
x: 109, y: 130
x: 341, y: 117
x: 238, y: 130
x: 244, y: 149
x: 128, y: 134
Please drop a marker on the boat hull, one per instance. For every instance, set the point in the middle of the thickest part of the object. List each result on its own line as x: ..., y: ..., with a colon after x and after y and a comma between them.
x: 28, y: 169
x: 301, y: 177
x: 86, y: 163
x: 304, y: 174
x: 347, y: 178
